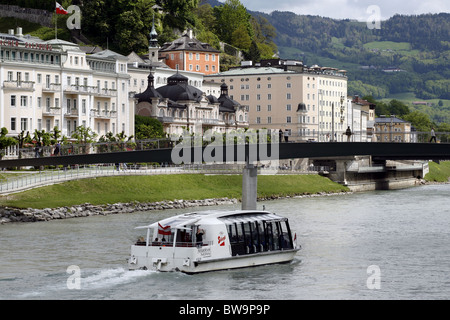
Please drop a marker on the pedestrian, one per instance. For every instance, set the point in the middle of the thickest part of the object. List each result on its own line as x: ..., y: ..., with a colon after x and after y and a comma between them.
x: 348, y: 133
x: 433, y: 135
x: 199, y: 236
x: 280, y: 135
x: 286, y: 135
x: 57, y: 149
x: 37, y: 150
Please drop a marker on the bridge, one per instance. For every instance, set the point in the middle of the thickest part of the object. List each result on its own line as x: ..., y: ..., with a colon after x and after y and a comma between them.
x: 379, y: 151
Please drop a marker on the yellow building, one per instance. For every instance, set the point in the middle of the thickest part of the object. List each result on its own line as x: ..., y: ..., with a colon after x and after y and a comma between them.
x: 392, y: 129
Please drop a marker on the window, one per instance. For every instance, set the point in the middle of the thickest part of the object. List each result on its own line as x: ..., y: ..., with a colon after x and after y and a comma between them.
x: 24, y: 124
x: 13, y: 101
x: 288, y: 96
x: 13, y: 124
x: 258, y: 120
x: 213, y: 57
x: 197, y: 56
x: 269, y: 120
x: 191, y: 56
x: 269, y: 96
x: 289, y: 85
x: 39, y: 102
x: 258, y: 108
x: 288, y: 107
x: 207, y: 57
x: 269, y: 107
x: 288, y: 120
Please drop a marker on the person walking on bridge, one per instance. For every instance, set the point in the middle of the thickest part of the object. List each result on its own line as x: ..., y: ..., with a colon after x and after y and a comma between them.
x: 433, y: 135
x: 348, y: 133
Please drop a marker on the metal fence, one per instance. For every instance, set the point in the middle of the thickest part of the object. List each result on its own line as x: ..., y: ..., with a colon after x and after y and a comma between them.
x: 33, y: 179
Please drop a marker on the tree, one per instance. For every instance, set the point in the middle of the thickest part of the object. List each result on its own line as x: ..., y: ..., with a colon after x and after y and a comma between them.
x: 5, y: 141
x: 84, y: 135
x: 240, y: 38
x: 229, y: 17
x: 148, y: 128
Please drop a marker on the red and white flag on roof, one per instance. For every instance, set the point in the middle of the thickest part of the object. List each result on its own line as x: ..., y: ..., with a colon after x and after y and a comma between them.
x: 164, y: 230
x: 60, y: 9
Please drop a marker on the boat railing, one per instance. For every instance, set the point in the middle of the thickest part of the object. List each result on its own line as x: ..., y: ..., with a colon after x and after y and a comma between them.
x: 177, y: 244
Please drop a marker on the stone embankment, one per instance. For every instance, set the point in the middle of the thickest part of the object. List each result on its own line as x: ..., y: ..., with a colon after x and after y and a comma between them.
x: 8, y: 215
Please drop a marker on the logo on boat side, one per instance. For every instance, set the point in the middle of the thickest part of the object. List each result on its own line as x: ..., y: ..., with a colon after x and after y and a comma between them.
x: 221, y: 239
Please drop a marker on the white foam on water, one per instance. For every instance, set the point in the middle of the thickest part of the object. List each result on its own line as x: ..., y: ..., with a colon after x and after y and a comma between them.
x: 102, y: 279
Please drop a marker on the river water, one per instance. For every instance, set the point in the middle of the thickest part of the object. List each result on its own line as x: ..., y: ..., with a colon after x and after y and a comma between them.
x: 374, y: 245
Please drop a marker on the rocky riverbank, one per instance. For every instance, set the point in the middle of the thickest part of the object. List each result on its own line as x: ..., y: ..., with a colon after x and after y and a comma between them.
x: 11, y: 215
x: 8, y: 215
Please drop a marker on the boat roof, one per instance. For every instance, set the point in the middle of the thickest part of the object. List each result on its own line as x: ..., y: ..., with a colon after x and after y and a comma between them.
x: 214, y: 217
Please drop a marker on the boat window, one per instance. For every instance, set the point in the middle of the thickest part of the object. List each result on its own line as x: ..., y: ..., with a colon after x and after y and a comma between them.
x: 255, y: 237
x: 248, y: 237
x: 285, y: 235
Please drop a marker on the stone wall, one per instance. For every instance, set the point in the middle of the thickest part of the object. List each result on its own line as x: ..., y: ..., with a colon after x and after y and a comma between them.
x: 39, y: 16
x: 8, y: 215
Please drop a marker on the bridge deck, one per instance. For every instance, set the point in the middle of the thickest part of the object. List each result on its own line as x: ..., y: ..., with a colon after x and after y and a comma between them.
x: 380, y: 151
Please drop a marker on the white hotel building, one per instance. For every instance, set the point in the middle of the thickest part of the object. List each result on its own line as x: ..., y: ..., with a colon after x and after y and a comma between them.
x: 54, y: 83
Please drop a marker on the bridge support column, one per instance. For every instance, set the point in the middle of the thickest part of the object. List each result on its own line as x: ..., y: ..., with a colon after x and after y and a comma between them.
x: 249, y: 187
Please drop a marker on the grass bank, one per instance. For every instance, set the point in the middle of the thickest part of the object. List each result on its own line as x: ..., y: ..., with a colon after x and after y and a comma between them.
x: 438, y: 172
x: 127, y: 189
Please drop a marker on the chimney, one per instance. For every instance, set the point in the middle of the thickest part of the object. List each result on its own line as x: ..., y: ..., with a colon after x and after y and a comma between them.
x: 11, y: 32
x: 19, y: 32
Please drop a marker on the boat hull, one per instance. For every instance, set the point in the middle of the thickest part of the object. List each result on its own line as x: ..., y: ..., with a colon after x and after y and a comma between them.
x: 208, y: 265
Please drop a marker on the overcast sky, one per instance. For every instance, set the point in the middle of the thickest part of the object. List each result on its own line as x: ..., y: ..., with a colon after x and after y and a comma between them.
x: 351, y: 9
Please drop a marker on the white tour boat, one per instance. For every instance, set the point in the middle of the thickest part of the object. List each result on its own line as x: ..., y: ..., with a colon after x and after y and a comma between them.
x: 214, y: 240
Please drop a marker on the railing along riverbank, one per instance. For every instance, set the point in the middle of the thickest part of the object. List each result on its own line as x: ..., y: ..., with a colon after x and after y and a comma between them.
x: 27, y: 180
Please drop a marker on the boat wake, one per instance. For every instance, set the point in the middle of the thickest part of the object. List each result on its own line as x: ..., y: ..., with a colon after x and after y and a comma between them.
x: 94, y: 280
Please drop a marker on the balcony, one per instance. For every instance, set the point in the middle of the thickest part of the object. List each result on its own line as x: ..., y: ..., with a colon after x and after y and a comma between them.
x: 72, y: 113
x: 51, y: 88
x: 77, y: 89
x: 104, y: 92
x: 51, y: 112
x: 103, y: 114
x: 19, y: 85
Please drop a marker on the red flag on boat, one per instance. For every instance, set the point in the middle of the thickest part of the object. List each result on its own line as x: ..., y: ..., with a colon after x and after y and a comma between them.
x: 60, y: 9
x: 164, y: 230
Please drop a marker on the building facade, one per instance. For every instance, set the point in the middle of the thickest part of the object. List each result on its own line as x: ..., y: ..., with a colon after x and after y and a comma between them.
x: 180, y: 106
x: 303, y: 103
x: 189, y: 54
x: 48, y: 84
x: 393, y: 129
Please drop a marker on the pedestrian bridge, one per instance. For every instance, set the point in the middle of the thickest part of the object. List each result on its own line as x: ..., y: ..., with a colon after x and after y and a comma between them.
x: 255, y: 152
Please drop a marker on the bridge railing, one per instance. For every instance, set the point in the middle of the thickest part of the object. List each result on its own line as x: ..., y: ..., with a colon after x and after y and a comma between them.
x: 106, y: 147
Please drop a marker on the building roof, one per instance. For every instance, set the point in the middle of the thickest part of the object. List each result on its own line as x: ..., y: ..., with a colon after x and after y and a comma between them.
x: 382, y: 120
x: 108, y: 55
x: 226, y: 103
x: 252, y: 71
x: 149, y: 93
x: 178, y: 89
x: 186, y: 43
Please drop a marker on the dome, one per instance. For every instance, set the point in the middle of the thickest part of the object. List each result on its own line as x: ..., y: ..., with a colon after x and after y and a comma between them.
x: 178, y: 89
x: 150, y: 93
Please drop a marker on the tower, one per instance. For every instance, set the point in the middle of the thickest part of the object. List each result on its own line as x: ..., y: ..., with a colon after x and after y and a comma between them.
x: 153, y: 44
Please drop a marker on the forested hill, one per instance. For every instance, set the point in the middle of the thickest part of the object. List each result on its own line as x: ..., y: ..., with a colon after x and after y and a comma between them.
x: 409, y: 56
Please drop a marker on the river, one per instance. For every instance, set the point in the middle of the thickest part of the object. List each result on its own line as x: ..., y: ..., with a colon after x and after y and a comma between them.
x: 373, y: 245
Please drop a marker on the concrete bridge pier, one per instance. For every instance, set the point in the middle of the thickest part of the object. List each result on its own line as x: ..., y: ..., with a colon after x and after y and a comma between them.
x: 249, y: 187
